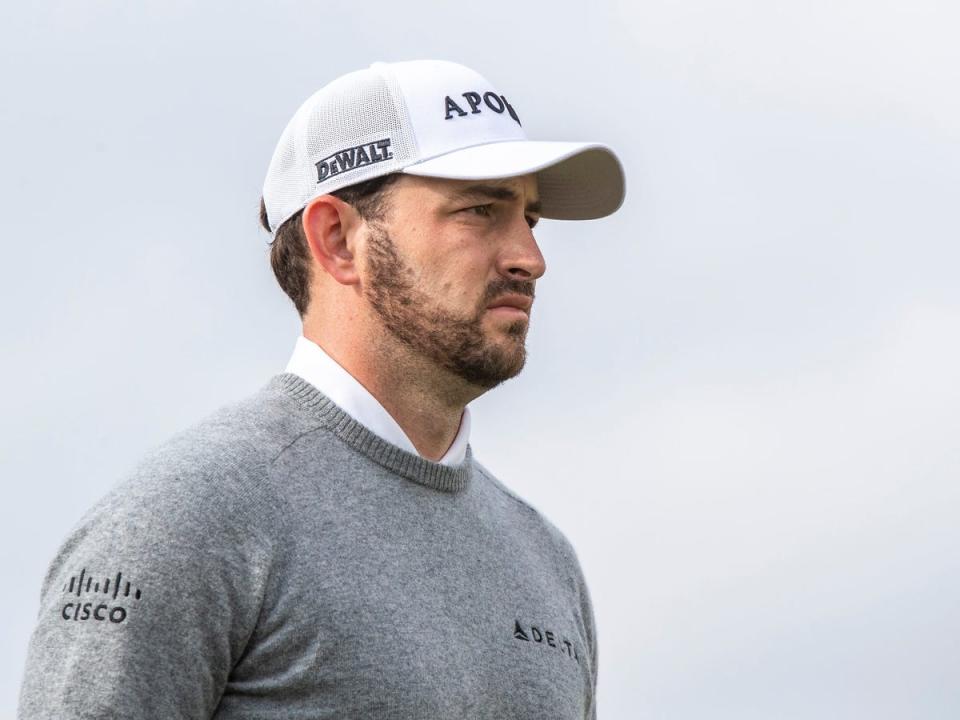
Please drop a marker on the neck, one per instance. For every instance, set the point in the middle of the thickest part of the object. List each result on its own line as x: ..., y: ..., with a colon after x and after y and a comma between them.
x: 426, y: 402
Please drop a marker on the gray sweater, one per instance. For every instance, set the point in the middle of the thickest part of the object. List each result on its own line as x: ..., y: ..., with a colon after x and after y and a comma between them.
x: 279, y: 560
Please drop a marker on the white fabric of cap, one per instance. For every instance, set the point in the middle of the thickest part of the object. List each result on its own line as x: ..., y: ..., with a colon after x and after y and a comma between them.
x: 431, y: 118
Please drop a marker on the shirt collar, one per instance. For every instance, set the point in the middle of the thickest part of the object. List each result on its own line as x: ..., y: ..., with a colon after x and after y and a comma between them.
x: 314, y: 365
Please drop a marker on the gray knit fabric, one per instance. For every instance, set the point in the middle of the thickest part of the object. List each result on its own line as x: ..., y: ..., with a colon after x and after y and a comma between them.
x: 279, y: 560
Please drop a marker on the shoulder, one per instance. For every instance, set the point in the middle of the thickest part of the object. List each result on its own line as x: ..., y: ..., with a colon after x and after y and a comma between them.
x: 243, y: 436
x: 201, y: 493
x: 537, y: 521
x: 213, y: 471
x: 168, y: 570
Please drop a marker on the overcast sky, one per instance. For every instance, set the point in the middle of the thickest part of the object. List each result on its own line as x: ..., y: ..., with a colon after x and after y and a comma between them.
x: 741, y: 404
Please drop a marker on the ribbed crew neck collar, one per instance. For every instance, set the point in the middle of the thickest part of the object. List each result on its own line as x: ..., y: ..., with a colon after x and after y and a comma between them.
x: 445, y: 478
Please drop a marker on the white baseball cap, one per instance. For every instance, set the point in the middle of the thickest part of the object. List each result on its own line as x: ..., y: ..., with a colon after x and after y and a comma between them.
x: 432, y: 118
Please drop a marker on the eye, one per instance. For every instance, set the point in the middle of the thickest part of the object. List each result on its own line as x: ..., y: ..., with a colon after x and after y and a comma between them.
x: 482, y: 210
x: 532, y: 221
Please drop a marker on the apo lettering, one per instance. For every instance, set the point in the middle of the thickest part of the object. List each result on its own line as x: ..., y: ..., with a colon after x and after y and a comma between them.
x: 497, y: 103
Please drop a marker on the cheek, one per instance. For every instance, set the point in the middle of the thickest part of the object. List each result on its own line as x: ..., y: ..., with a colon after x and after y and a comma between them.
x: 458, y: 287
x: 453, y: 268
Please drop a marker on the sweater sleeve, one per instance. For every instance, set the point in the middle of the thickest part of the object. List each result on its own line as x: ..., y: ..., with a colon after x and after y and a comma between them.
x: 587, y: 618
x: 591, y: 628
x: 149, y: 602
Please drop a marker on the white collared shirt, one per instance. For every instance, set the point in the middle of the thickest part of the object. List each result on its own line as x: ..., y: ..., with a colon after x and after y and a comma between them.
x: 312, y: 363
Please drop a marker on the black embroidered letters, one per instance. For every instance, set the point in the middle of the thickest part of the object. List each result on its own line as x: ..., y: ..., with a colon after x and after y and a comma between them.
x: 112, y: 592
x: 353, y: 158
x: 496, y: 103
x: 545, y: 637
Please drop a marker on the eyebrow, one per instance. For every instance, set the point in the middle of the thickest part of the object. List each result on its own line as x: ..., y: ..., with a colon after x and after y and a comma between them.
x: 494, y: 192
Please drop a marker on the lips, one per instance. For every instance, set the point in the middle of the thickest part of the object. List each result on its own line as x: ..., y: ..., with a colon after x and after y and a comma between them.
x: 520, y: 302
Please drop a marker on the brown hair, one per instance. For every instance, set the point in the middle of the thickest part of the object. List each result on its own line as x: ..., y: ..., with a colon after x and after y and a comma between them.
x: 289, y: 254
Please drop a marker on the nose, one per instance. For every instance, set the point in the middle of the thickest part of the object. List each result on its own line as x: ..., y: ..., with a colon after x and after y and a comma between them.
x: 520, y: 257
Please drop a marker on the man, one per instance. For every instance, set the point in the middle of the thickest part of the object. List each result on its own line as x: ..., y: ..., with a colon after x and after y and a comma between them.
x: 330, y: 547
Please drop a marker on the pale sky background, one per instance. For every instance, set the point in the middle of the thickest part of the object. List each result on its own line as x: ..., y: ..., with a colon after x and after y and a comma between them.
x: 741, y: 404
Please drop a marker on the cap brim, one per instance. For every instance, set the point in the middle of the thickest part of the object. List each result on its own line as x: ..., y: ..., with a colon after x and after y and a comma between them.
x: 576, y: 181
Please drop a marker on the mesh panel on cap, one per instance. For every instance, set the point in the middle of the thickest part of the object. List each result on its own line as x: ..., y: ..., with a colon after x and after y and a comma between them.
x: 354, y: 110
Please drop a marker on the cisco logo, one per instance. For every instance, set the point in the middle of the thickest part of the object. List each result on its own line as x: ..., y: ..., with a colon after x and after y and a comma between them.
x: 110, y: 602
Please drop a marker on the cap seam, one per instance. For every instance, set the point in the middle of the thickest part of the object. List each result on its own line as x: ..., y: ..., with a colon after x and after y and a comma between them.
x: 393, y: 84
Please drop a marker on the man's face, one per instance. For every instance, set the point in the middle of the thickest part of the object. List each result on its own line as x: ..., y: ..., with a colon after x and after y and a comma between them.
x: 444, y: 256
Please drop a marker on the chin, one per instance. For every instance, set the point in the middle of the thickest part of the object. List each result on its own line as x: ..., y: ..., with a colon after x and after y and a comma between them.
x: 496, y: 366
x: 512, y: 364
x: 516, y: 330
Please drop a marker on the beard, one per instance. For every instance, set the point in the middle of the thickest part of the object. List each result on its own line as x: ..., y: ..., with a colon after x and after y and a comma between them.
x: 453, y: 342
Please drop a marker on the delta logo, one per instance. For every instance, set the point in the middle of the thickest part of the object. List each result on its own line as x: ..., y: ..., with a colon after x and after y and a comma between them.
x: 547, y: 638
x: 102, y: 600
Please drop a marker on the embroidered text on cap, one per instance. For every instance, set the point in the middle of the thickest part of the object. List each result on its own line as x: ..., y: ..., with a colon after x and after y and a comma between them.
x: 352, y: 158
x: 497, y: 103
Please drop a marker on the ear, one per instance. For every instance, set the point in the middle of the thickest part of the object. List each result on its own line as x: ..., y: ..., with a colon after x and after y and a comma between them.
x: 330, y: 225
